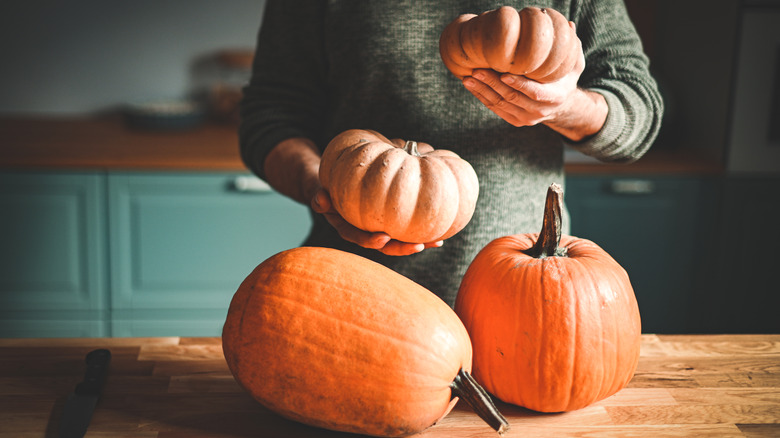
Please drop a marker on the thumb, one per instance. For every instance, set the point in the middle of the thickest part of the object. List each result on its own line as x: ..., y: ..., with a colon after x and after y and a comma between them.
x: 321, y: 202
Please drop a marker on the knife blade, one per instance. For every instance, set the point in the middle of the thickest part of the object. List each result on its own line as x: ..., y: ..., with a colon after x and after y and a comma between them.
x: 81, y: 403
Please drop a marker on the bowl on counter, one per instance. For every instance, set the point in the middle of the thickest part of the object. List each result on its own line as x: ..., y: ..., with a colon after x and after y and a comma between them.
x: 165, y: 114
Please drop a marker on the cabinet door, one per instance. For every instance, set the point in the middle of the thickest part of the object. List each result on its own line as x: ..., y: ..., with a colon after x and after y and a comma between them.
x: 652, y: 227
x: 52, y: 266
x: 741, y: 292
x: 182, y: 243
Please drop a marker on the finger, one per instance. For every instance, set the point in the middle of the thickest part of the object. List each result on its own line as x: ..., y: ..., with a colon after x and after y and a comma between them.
x: 530, y: 92
x: 397, y: 248
x: 350, y: 233
x: 365, y: 239
x: 373, y: 240
x: 508, y: 87
x: 504, y: 92
x: 517, y: 117
x: 491, y: 78
x: 513, y: 114
x: 487, y: 95
x: 579, y: 66
x: 321, y: 202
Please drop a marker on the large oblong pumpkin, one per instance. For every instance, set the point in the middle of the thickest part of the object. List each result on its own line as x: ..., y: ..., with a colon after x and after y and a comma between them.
x: 414, y: 194
x: 553, y: 319
x: 334, y: 340
x: 539, y: 43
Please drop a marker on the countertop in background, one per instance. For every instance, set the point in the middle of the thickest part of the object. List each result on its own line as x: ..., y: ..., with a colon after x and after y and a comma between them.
x: 106, y: 142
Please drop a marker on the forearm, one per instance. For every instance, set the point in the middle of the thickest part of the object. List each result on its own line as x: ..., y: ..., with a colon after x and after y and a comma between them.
x: 618, y: 70
x: 582, y: 116
x: 283, y: 103
x: 292, y: 169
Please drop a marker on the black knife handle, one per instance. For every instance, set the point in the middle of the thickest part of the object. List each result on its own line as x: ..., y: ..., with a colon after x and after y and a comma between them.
x: 97, y: 366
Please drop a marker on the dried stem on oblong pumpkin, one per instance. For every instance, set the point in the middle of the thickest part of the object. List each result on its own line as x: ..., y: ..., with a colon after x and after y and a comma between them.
x: 465, y: 387
x: 550, y: 236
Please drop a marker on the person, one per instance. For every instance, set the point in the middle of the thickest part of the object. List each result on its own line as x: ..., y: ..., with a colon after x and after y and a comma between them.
x: 322, y: 67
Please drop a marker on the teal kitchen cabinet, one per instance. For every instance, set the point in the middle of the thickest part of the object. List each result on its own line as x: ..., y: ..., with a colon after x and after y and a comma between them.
x: 180, y: 244
x: 654, y: 227
x: 740, y: 292
x: 53, y: 266
x: 133, y: 254
x: 108, y: 253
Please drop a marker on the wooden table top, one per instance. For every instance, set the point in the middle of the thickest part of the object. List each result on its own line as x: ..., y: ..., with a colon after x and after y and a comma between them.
x: 686, y: 385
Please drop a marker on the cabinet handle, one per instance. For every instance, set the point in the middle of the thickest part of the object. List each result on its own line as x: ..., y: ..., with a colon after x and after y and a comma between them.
x: 251, y: 184
x: 632, y: 187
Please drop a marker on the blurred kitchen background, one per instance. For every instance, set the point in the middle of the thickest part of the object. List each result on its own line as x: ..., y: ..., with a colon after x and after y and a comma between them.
x: 125, y: 210
x: 84, y: 56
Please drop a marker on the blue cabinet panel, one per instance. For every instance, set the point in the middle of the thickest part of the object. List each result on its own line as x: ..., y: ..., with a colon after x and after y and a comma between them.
x: 168, y: 322
x: 741, y: 292
x: 54, y: 323
x: 161, y: 254
x: 188, y: 240
x: 653, y: 228
x: 52, y: 252
x: 166, y: 250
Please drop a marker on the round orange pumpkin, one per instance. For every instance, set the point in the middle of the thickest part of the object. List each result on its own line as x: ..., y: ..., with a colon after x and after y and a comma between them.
x: 539, y: 43
x: 553, y: 319
x: 414, y: 194
x: 334, y: 340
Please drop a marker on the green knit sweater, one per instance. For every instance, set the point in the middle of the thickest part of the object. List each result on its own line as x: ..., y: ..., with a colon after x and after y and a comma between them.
x: 323, y: 67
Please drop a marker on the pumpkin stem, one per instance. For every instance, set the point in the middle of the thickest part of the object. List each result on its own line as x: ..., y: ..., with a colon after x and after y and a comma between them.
x: 411, y: 148
x: 465, y: 387
x: 550, y: 236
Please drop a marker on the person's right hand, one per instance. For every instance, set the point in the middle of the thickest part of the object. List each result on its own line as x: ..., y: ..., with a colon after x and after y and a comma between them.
x: 321, y: 203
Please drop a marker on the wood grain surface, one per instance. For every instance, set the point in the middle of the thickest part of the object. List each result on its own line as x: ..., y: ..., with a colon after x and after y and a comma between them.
x: 685, y: 386
x: 106, y: 143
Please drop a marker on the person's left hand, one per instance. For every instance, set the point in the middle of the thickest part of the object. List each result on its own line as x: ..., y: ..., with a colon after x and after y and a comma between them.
x: 321, y: 203
x: 522, y: 101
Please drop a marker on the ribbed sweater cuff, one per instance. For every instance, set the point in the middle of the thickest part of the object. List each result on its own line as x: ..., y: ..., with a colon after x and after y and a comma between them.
x: 604, y: 142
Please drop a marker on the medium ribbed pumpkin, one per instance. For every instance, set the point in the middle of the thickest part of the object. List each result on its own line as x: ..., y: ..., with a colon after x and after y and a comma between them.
x: 553, y: 320
x: 539, y: 43
x: 391, y: 186
x: 334, y: 340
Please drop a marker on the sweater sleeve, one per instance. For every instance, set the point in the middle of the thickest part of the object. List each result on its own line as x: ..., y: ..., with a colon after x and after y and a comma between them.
x: 286, y: 94
x: 617, y: 68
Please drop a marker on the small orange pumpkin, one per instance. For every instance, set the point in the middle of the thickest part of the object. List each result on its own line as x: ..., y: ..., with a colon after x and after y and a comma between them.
x: 334, y: 340
x: 414, y: 195
x: 553, y: 320
x: 539, y: 43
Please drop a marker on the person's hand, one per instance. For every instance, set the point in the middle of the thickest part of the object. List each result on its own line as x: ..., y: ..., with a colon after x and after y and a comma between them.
x: 522, y: 101
x: 321, y: 203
